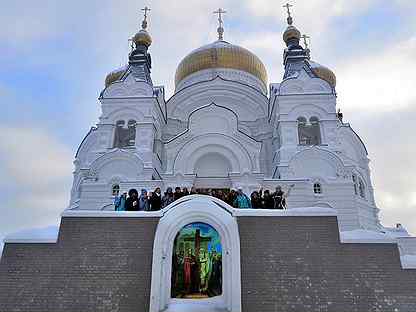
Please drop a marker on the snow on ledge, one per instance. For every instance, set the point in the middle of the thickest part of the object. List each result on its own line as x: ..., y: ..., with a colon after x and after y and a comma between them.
x: 292, y: 212
x: 117, y: 214
x: 36, y: 235
x: 365, y: 236
x: 408, y: 261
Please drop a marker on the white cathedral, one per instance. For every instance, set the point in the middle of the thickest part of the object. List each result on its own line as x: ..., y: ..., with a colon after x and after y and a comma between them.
x: 223, y: 128
x: 226, y: 127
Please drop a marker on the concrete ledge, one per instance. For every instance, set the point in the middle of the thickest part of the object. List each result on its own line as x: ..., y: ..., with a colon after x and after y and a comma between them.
x: 366, y: 236
x: 112, y: 214
x: 408, y: 261
x: 37, y: 235
x: 293, y: 212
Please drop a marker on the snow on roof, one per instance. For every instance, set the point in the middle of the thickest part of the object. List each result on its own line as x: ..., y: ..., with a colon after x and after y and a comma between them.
x: 365, y: 236
x: 36, y: 235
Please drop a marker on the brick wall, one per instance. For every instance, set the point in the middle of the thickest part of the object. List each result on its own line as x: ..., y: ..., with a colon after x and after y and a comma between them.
x: 298, y: 264
x: 292, y: 264
x: 98, y: 264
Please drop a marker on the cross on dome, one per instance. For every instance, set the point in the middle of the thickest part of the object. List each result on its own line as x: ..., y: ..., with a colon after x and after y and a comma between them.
x: 289, y: 18
x: 220, y: 28
x: 305, y: 40
x: 144, y: 23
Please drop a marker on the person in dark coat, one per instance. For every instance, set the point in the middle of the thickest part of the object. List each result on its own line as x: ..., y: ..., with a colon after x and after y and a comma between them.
x: 231, y: 197
x: 256, y: 201
x: 268, y: 201
x: 185, y: 191
x: 167, y: 198
x: 178, y: 193
x: 156, y: 200
x: 132, y: 203
x: 144, y: 202
x: 279, y: 198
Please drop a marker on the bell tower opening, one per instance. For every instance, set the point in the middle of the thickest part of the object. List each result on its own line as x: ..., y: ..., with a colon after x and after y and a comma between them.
x: 196, y: 262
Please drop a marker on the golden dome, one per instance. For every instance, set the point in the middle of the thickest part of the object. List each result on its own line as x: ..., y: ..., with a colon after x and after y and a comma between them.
x: 142, y: 38
x: 221, y: 54
x: 324, y: 73
x: 291, y: 32
x: 114, y: 76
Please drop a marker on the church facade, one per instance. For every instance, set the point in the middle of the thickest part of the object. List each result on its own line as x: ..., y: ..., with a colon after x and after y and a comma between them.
x: 224, y: 127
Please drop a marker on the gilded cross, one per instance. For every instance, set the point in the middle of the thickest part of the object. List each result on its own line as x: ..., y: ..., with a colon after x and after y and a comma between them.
x: 305, y: 40
x: 289, y: 18
x: 144, y: 23
x: 146, y: 9
x: 131, y: 44
x: 220, y: 28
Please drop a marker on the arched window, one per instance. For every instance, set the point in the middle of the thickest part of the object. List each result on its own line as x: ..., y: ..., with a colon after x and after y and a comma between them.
x: 361, y: 188
x: 309, y: 134
x: 132, y: 132
x: 315, y: 131
x: 125, y: 137
x: 115, y: 190
x: 355, y: 182
x: 317, y: 188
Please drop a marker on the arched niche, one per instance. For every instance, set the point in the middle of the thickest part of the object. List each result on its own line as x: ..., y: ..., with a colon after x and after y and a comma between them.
x: 316, y: 162
x: 197, y: 262
x: 188, y: 210
x: 212, y: 165
x: 229, y: 148
x: 117, y: 162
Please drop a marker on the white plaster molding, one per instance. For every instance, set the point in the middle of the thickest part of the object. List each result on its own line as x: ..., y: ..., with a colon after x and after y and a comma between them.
x: 111, y: 214
x: 190, y: 209
x: 292, y: 212
x: 365, y: 236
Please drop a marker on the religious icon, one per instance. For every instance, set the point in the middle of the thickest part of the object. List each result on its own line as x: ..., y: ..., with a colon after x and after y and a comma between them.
x: 196, y: 262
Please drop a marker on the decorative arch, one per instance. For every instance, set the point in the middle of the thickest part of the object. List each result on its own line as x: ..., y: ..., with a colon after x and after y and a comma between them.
x: 302, y: 82
x: 317, y: 162
x: 223, y: 145
x: 250, y: 103
x: 125, y: 114
x: 126, y: 165
x: 353, y: 146
x: 127, y: 86
x: 191, y: 209
x: 87, y: 145
x: 307, y: 111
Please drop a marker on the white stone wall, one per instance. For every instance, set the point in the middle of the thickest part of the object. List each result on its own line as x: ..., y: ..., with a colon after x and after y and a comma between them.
x: 215, y: 125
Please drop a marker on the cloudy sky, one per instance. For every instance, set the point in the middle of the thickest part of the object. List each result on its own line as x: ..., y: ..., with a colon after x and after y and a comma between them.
x: 54, y: 56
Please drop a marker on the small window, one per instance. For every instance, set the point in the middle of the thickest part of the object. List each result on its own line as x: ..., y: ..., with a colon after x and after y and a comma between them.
x: 361, y: 187
x: 317, y: 188
x: 132, y: 132
x: 115, y: 190
x: 354, y: 181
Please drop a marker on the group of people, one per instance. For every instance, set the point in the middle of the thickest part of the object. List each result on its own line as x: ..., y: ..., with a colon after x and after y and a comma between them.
x: 154, y: 201
x: 196, y: 273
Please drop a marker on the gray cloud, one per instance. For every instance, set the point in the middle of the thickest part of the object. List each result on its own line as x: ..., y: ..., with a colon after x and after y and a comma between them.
x: 38, y: 170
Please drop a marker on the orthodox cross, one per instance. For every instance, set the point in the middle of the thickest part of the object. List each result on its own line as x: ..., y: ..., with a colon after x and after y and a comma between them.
x: 289, y: 18
x: 144, y: 23
x: 220, y: 28
x: 131, y: 44
x: 305, y: 40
